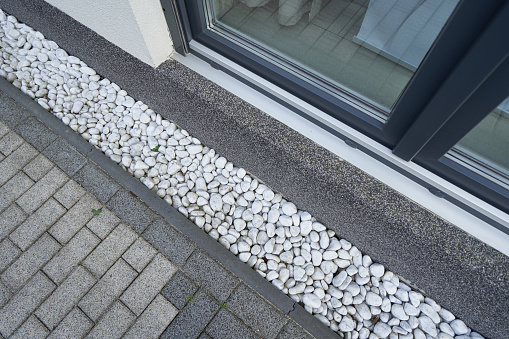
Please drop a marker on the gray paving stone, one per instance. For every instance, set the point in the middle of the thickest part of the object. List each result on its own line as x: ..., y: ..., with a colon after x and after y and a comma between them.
x: 75, y: 325
x: 10, y: 142
x: 193, y: 318
x: 30, y: 261
x: 8, y: 252
x: 97, y: 181
x: 13, y: 189
x: 109, y: 288
x: 10, y: 111
x: 35, y: 132
x: 60, y: 302
x: 148, y: 284
x: 71, y: 254
x: 153, y: 320
x: 209, y: 273
x: 103, y: 223
x: 74, y: 219
x: 293, y: 331
x: 179, y: 289
x: 139, y: 254
x: 226, y: 326
x: 10, y: 219
x: 32, y: 328
x: 109, y: 250
x: 42, y: 190
x: 5, y: 295
x: 131, y: 210
x: 256, y: 312
x: 23, y: 303
x: 170, y: 241
x: 4, y: 129
x: 16, y: 161
x: 69, y: 194
x: 204, y: 335
x: 38, y: 167
x: 36, y: 224
x: 2, y: 157
x: 65, y: 156
x: 114, y: 323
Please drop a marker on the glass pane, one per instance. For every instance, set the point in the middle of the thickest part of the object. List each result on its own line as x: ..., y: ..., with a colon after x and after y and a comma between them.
x: 486, y: 148
x: 366, y: 49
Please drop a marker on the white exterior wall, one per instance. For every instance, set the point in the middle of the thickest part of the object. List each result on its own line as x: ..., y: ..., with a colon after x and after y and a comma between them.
x: 136, y: 26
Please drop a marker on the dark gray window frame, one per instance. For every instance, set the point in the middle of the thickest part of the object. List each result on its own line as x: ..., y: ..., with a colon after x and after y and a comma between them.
x: 467, y: 43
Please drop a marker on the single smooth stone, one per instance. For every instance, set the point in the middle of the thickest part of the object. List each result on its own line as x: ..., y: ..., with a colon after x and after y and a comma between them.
x: 257, y: 206
x: 87, y: 70
x: 145, y: 118
x: 363, y: 311
x: 269, y: 245
x: 402, y: 295
x: 306, y: 227
x: 386, y: 305
x: 373, y: 299
x: 194, y: 149
x: 299, y: 288
x: 428, y: 326
x: 390, y: 287
x: 415, y: 298
x: 347, y: 324
x: 298, y: 273
x: 273, y: 216
x: 377, y: 270
x: 216, y: 202
x: 459, y: 327
x: 398, y: 311
x: 382, y: 330
x: 284, y: 274
x: 419, y: 334
x: 174, y: 167
x: 316, y: 257
x: 446, y: 315
x: 311, y: 300
x: 285, y: 220
x: 353, y: 288
x: 347, y: 298
x: 411, y: 310
x: 77, y: 106
x: 272, y: 275
x: 446, y: 328
x: 340, y: 278
x: 324, y: 240
x: 288, y: 208
x: 430, y: 312
x: 330, y: 255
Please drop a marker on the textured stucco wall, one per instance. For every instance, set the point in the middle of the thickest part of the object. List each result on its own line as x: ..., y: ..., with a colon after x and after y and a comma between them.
x: 136, y: 26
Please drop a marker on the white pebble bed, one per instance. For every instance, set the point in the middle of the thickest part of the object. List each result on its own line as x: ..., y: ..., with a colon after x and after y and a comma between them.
x: 288, y: 246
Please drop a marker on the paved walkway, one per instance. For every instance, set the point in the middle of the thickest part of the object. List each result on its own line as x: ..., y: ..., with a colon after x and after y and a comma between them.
x: 82, y: 256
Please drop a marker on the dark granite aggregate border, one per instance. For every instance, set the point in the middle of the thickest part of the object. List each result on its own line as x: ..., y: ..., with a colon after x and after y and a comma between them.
x: 457, y: 270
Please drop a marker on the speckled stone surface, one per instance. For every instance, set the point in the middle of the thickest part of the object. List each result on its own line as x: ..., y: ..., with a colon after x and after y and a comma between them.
x: 461, y: 273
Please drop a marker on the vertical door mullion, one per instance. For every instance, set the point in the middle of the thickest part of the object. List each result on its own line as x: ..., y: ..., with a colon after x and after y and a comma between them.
x: 486, y: 54
x: 465, y: 25
x: 489, y: 95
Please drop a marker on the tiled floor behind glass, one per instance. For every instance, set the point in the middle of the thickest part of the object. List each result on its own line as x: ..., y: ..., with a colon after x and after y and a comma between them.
x: 324, y: 44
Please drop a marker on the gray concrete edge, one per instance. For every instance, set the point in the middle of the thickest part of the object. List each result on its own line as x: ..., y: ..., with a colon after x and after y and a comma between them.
x: 175, y: 218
